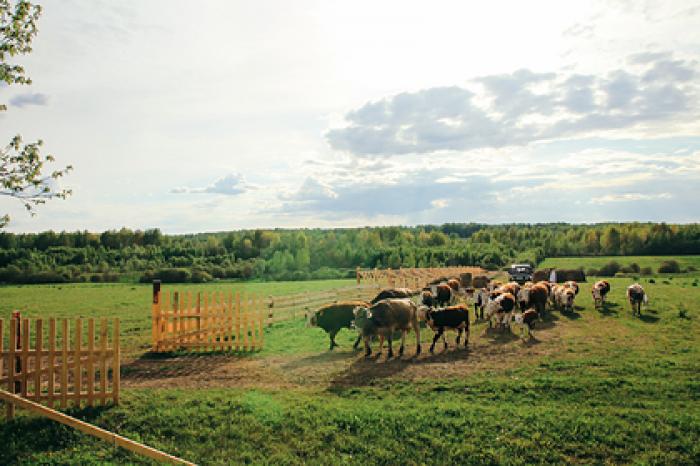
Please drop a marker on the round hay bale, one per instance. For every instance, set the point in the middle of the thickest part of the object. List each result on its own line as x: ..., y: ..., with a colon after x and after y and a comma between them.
x: 465, y: 279
x: 480, y: 281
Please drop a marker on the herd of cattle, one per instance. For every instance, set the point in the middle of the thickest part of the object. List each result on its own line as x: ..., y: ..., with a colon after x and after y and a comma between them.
x: 445, y: 306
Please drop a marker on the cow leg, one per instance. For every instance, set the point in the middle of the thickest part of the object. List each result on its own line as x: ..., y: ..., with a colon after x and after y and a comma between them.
x: 444, y: 338
x: 333, y: 343
x: 357, y: 342
x: 416, y: 328
x: 435, y: 339
x: 381, y: 343
x: 466, y: 335
x: 389, y: 340
x: 368, y: 349
x: 459, y: 336
x: 403, y: 340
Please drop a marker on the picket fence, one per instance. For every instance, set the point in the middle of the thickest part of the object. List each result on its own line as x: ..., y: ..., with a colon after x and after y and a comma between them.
x: 62, y: 366
x: 206, y: 321
x: 411, y: 277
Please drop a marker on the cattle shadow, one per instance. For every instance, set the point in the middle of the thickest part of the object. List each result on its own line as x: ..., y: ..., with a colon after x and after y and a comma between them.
x: 365, y: 372
x: 548, y: 321
x: 320, y: 358
x: 501, y: 336
x: 649, y: 319
x: 573, y: 314
x: 170, y: 365
x: 609, y: 309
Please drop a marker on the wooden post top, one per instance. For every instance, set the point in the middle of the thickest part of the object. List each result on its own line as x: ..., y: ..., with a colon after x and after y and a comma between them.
x: 156, y: 291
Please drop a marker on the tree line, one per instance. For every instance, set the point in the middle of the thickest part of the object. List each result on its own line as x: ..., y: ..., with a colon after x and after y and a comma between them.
x: 298, y: 254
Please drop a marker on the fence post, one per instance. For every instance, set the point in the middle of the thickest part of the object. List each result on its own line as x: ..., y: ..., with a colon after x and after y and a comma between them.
x: 270, y: 306
x: 156, y: 315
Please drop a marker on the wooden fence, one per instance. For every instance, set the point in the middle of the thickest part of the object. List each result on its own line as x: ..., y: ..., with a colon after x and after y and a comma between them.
x: 297, y: 305
x: 206, y: 321
x: 411, y: 277
x: 57, y: 367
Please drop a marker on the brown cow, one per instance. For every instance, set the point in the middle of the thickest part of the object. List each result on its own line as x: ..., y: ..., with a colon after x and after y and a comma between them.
x: 527, y: 321
x: 452, y: 317
x: 500, y: 309
x: 599, y: 290
x: 395, y: 293
x: 573, y: 285
x: 443, y: 294
x: 636, y: 296
x: 386, y: 317
x: 536, y: 297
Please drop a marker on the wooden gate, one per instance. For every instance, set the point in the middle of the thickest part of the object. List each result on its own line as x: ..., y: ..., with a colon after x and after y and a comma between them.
x: 206, y: 321
x: 60, y: 366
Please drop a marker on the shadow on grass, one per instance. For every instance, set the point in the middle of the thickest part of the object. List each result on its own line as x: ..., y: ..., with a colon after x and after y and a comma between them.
x: 501, y: 336
x: 573, y: 314
x: 609, y: 309
x: 155, y: 366
x: 649, y: 319
x: 320, y: 358
x: 367, y: 371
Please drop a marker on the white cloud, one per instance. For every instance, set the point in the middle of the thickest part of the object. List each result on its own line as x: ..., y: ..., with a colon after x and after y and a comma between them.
x: 626, y: 197
x: 230, y: 185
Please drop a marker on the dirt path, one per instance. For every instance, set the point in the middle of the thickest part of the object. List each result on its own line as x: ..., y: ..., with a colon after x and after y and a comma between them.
x: 488, y: 351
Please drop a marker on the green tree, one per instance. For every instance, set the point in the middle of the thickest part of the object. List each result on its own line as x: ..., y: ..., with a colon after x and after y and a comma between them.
x: 22, y: 171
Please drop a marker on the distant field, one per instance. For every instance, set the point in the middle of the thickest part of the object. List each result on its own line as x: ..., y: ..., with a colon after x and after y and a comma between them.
x: 130, y: 302
x: 596, y: 262
x: 593, y: 387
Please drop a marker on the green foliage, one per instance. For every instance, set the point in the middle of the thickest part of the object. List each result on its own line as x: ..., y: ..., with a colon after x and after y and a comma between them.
x: 22, y: 170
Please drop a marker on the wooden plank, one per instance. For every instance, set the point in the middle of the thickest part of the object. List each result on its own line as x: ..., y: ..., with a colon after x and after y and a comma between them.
x: 155, y: 322
x: 244, y: 316
x: 91, y: 362
x: 189, y: 323
x: 251, y: 319
x: 52, y: 360
x: 89, y: 429
x: 39, y: 334
x: 222, y: 321
x: 238, y: 321
x: 261, y: 309
x: 229, y: 314
x: 25, y: 355
x: 103, y: 360
x: 77, y: 374
x: 11, y: 368
x: 64, y: 365
x: 165, y: 321
x: 116, y: 376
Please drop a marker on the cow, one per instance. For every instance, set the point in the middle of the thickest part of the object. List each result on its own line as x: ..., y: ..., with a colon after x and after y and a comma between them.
x: 443, y: 295
x: 481, y: 297
x: 383, y: 319
x: 500, y: 309
x: 334, y: 317
x: 573, y: 285
x: 448, y: 318
x: 564, y: 297
x: 394, y: 293
x: 523, y: 296
x: 526, y: 320
x: 493, y: 285
x: 636, y: 296
x: 599, y: 290
x: 427, y: 298
x: 534, y: 297
x: 454, y: 284
x: 511, y: 287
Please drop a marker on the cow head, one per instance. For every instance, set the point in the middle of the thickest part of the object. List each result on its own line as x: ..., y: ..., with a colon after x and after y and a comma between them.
x: 569, y: 296
x: 597, y: 295
x: 312, y: 320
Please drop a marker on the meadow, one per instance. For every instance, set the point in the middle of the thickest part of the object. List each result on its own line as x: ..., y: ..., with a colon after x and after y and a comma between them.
x: 598, y: 261
x: 593, y: 386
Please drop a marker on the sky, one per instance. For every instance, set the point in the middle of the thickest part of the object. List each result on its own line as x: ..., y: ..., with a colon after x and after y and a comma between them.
x: 212, y: 116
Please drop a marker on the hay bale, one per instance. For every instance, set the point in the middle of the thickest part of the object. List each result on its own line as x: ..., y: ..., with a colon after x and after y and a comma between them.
x: 541, y: 275
x: 480, y: 281
x: 465, y: 279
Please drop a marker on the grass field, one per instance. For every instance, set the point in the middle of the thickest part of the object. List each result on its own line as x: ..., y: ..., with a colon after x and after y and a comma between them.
x: 592, y: 387
x: 596, y: 262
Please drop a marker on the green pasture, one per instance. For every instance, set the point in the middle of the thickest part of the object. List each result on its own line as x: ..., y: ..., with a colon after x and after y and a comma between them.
x: 617, y: 389
x: 598, y: 261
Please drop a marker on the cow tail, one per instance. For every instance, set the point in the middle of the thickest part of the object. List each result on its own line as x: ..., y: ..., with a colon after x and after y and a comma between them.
x: 646, y: 299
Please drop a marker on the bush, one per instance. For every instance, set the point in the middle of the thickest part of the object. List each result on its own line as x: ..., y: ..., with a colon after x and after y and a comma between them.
x: 691, y: 269
x: 200, y: 276
x: 609, y: 269
x: 669, y: 267
x: 167, y: 275
x: 634, y: 267
x: 96, y: 278
x: 646, y: 271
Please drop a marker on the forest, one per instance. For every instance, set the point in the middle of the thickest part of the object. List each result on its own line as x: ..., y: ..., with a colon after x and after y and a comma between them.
x: 299, y: 254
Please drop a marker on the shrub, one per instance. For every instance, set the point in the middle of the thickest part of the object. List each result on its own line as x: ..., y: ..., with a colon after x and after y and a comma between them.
x: 634, y: 267
x: 646, y: 271
x: 609, y: 269
x: 96, y: 278
x: 670, y: 266
x: 691, y: 269
x: 200, y: 276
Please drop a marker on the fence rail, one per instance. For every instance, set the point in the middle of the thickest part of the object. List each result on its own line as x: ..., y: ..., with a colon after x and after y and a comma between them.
x: 206, y: 321
x: 411, y: 277
x: 62, y: 366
